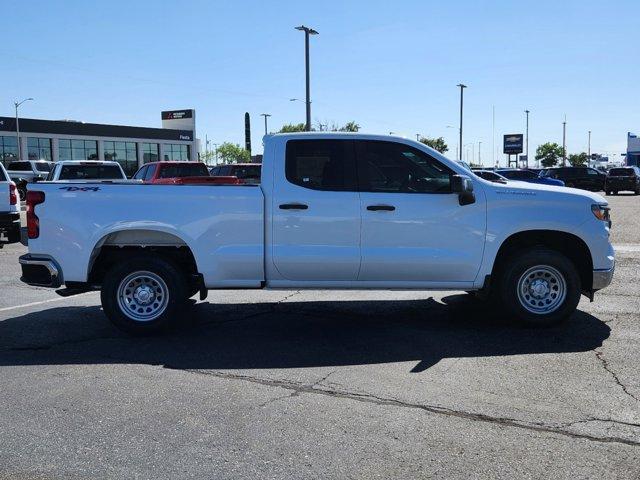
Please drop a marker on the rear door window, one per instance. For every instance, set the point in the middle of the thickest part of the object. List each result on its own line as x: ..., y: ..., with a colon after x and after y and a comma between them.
x: 187, y: 170
x: 321, y: 164
x: 90, y: 172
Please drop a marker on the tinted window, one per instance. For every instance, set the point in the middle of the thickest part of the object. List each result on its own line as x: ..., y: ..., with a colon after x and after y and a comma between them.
x: 591, y: 171
x: 43, y: 167
x: 394, y: 167
x: 518, y: 174
x: 3, y: 178
x: 621, y: 172
x: 187, y: 170
x: 24, y: 166
x: 246, y: 171
x: 321, y: 164
x: 90, y: 172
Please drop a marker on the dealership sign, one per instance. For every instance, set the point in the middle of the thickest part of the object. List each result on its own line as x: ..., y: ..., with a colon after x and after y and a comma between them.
x: 513, y: 143
x: 177, y: 114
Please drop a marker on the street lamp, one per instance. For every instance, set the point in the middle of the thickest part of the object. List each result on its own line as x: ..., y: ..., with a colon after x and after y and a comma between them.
x: 17, y: 104
x: 265, y: 115
x: 527, y: 152
x: 307, y: 31
x: 462, y: 87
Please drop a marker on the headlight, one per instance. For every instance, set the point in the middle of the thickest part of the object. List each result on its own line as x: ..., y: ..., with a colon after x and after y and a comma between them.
x: 601, y: 212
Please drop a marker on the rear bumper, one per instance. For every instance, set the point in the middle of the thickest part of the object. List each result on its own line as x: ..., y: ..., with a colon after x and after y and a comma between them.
x: 602, y: 278
x: 9, y: 227
x: 40, y: 271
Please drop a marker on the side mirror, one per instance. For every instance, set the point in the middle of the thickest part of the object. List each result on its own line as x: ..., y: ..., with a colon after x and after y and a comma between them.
x: 463, y: 186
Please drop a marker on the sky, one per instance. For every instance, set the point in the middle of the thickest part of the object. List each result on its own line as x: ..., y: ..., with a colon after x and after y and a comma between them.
x: 390, y: 66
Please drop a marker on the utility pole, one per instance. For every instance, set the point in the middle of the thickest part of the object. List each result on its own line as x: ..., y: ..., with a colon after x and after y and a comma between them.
x: 564, y: 142
x: 462, y: 87
x: 527, y: 151
x: 307, y: 31
x: 265, y: 115
x: 479, y: 159
x: 17, y: 104
x: 589, y: 149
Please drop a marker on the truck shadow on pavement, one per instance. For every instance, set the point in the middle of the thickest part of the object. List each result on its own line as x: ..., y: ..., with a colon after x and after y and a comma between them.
x: 294, y: 335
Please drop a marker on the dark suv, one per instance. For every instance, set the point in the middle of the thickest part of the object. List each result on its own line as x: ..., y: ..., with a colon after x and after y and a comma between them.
x: 625, y: 178
x: 577, y: 177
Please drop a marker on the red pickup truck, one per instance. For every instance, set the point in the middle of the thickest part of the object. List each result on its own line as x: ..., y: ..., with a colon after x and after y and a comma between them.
x: 180, y: 173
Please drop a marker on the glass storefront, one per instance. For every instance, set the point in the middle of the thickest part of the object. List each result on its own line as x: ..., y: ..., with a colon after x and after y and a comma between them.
x: 176, y: 152
x: 8, y: 149
x: 77, y: 149
x: 124, y: 153
x: 39, y: 148
x: 149, y: 152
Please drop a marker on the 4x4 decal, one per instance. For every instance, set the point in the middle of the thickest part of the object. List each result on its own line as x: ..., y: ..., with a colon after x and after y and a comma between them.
x: 80, y: 189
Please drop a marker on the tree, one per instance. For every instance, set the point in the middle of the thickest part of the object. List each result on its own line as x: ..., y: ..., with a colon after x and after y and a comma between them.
x: 578, y: 159
x: 232, y: 153
x: 292, y: 127
x: 436, y: 143
x: 549, y: 154
x: 349, y: 127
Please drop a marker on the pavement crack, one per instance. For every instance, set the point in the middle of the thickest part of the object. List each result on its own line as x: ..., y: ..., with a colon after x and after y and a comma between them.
x: 607, y: 367
x: 298, y: 389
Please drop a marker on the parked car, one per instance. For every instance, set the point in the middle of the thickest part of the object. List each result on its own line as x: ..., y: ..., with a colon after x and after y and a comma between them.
x: 86, y: 170
x: 408, y: 219
x: 585, y: 178
x: 9, y: 209
x: 524, y: 175
x: 28, y: 171
x: 490, y: 175
x: 626, y: 178
x: 247, y: 172
x: 177, y: 173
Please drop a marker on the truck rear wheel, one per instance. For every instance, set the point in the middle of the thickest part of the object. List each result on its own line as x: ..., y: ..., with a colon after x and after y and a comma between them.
x: 540, y: 287
x: 143, y: 296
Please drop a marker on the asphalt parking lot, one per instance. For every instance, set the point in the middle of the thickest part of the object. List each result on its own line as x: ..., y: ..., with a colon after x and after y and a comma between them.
x: 287, y: 384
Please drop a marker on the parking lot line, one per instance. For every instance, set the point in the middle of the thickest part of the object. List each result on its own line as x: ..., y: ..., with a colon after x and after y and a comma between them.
x: 629, y: 247
x: 33, y: 304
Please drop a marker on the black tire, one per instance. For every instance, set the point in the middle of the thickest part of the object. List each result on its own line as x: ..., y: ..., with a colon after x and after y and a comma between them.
x: 615, y: 192
x: 608, y: 192
x: 167, y: 296
x: 525, y: 269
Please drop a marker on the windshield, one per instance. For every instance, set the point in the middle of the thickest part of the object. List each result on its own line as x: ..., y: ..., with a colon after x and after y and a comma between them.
x: 187, y: 170
x: 90, y: 172
x: 621, y: 172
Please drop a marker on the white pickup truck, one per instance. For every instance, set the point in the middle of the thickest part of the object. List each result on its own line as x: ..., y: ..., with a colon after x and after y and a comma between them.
x: 332, y: 211
x: 9, y: 209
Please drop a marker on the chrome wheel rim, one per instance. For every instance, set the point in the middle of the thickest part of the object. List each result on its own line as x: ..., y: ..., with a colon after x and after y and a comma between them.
x: 143, y: 296
x: 542, y: 289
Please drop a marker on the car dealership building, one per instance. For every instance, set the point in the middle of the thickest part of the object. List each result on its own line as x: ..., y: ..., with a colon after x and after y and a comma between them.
x: 71, y: 140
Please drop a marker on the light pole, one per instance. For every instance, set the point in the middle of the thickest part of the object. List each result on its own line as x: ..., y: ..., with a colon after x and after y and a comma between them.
x: 589, y: 149
x: 215, y: 152
x: 265, y: 115
x: 564, y: 142
x: 462, y: 87
x: 307, y: 31
x: 527, y: 151
x: 479, y: 159
x: 17, y: 104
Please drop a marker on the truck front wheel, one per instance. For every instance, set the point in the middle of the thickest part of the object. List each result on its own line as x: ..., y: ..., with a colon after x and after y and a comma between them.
x: 143, y: 295
x: 540, y: 287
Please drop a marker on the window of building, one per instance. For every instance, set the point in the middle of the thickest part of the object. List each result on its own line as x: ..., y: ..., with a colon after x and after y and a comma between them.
x: 39, y: 148
x: 175, y: 152
x: 77, y: 149
x: 397, y: 168
x: 321, y: 164
x: 149, y: 152
x: 8, y: 149
x: 124, y: 153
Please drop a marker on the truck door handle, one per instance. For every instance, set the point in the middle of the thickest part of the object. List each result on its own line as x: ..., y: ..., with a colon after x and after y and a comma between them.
x: 293, y: 206
x: 386, y: 208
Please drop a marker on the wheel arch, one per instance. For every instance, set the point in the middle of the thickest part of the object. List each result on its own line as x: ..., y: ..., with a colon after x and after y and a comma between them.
x: 568, y: 244
x: 122, y: 244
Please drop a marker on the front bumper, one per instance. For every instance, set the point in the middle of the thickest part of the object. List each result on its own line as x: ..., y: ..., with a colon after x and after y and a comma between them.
x: 9, y: 228
x: 40, y: 271
x: 602, y: 278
